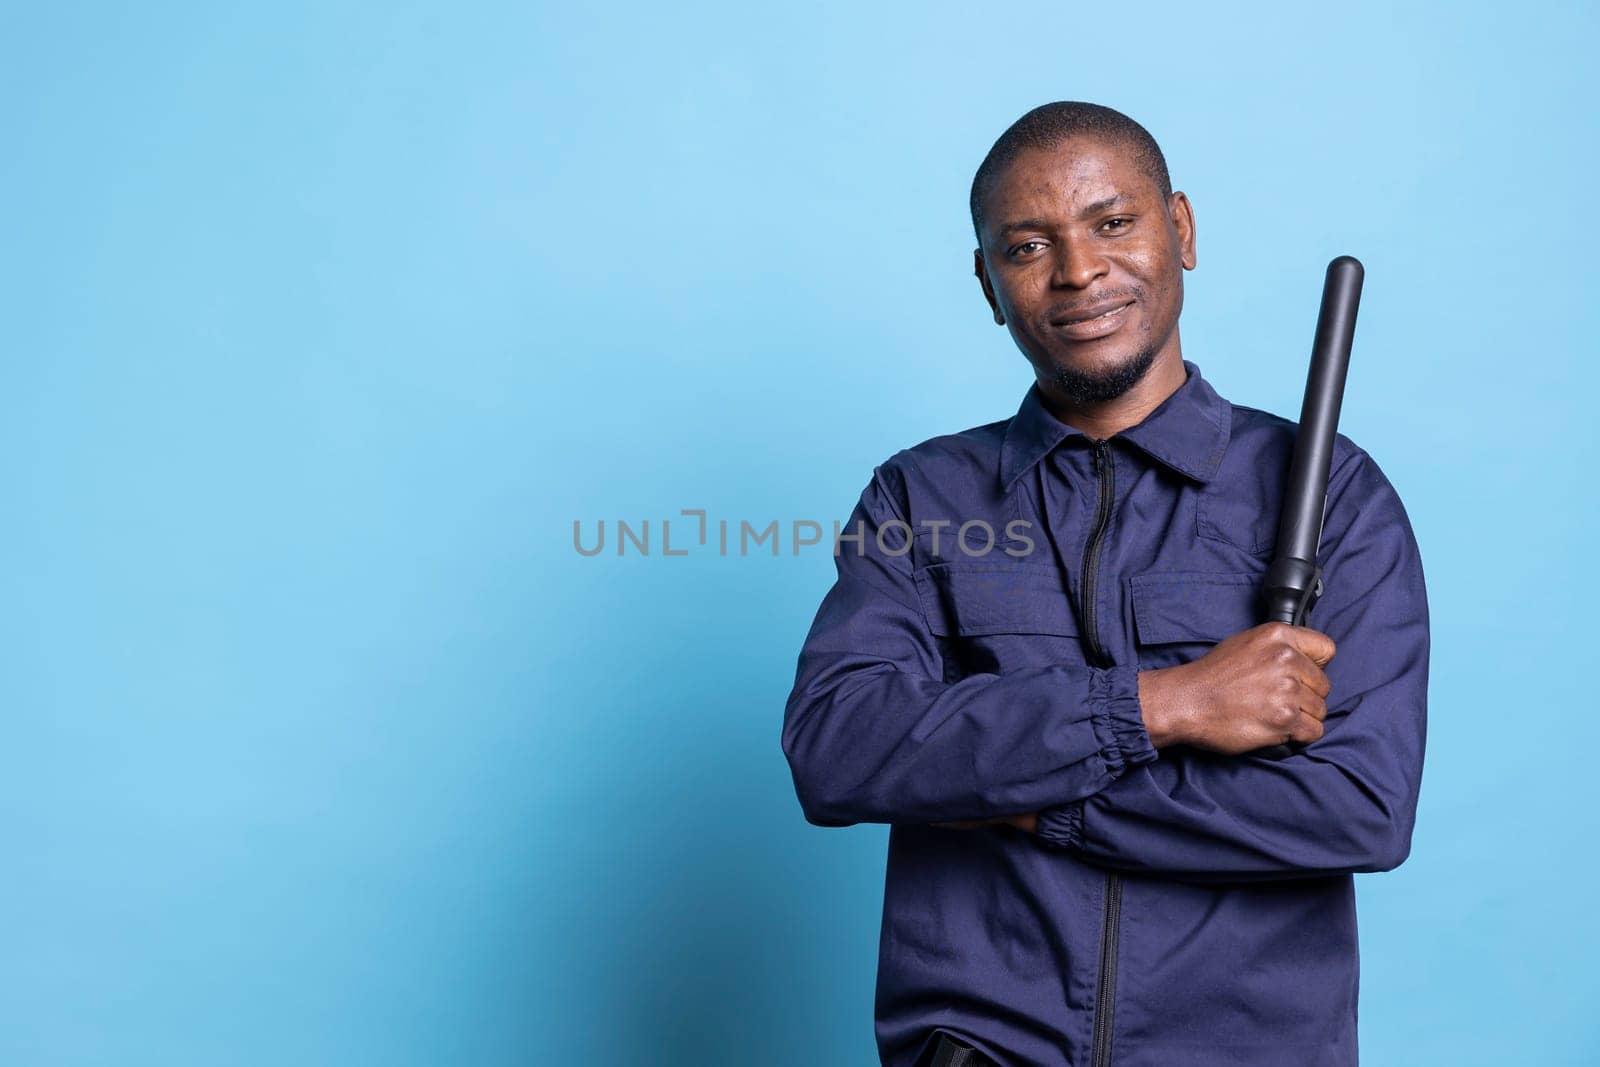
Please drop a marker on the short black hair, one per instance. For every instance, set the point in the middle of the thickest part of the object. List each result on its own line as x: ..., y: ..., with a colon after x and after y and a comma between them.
x: 1047, y: 125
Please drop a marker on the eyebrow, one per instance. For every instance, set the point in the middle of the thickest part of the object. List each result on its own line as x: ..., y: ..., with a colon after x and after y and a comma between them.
x: 1090, y: 209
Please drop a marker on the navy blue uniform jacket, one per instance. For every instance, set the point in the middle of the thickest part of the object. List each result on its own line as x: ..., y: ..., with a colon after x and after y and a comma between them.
x: 978, y: 656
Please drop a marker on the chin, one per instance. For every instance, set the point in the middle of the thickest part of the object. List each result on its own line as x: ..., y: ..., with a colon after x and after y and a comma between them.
x: 1092, y: 379
x: 1087, y: 360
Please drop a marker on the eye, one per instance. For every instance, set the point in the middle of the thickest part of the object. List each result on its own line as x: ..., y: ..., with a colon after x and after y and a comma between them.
x: 1024, y: 245
x: 1118, y: 224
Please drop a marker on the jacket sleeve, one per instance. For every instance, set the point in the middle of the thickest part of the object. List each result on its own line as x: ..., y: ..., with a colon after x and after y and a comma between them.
x: 1343, y: 804
x: 873, y: 733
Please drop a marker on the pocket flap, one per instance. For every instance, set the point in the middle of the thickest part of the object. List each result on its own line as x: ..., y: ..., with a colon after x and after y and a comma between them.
x: 1190, y: 606
x: 974, y: 599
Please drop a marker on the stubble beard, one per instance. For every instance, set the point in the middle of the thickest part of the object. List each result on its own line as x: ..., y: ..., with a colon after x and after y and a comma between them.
x: 1098, y: 386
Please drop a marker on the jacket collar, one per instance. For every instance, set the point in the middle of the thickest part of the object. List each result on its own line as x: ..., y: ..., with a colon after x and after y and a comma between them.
x: 1188, y: 431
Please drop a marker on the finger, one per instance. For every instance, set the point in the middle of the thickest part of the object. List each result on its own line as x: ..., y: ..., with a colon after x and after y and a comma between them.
x: 1309, y: 706
x: 1307, y: 701
x: 1308, y: 729
x: 1302, y: 728
x: 1305, y: 670
x: 1300, y: 718
x: 1316, y: 645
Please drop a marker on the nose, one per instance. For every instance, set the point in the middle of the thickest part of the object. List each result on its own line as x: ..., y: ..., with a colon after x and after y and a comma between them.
x: 1077, y: 264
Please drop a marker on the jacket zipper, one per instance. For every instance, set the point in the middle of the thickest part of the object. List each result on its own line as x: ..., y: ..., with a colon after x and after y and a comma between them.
x: 1091, y: 555
x: 1105, y: 992
x: 1104, y: 996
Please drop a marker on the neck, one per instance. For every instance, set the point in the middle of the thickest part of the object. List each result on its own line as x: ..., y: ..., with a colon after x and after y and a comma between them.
x: 1103, y: 420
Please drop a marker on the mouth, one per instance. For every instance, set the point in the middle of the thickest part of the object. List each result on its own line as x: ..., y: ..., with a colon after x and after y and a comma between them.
x: 1093, y: 322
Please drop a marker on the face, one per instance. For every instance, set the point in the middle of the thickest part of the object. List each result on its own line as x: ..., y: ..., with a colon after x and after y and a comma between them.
x: 1082, y: 259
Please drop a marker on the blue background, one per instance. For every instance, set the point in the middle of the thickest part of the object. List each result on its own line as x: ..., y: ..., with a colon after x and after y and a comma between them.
x: 322, y: 324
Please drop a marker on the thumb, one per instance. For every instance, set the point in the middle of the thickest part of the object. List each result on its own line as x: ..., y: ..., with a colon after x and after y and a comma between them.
x: 1314, y: 644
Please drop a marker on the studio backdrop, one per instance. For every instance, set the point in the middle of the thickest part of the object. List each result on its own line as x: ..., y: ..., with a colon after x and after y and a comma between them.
x: 334, y: 334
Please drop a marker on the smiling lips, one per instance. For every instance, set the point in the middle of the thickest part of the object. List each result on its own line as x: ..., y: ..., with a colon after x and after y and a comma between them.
x: 1093, y: 322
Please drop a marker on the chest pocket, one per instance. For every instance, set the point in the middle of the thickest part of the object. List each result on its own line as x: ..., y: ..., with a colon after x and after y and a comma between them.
x: 1179, y: 615
x: 995, y: 616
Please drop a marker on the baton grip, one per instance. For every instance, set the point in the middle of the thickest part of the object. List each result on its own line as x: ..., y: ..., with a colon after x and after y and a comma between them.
x: 953, y: 1052
x: 1294, y: 581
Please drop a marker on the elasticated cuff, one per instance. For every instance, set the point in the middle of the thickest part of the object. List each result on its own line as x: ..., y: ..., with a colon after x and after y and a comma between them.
x: 1119, y: 720
x: 1062, y: 825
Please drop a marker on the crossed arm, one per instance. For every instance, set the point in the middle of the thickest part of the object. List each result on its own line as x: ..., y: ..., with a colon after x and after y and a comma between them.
x: 1145, y: 771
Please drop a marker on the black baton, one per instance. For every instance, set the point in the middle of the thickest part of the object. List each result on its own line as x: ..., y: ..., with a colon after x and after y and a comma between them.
x: 953, y: 1052
x: 1294, y: 581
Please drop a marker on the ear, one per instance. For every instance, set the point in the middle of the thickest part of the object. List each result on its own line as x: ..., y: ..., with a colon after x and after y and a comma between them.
x: 1183, y: 219
x: 988, y: 290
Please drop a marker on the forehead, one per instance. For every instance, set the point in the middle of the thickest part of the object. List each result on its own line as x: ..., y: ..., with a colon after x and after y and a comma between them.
x: 1065, y: 179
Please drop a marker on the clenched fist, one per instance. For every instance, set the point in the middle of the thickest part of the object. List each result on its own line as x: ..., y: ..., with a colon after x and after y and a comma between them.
x: 1262, y: 686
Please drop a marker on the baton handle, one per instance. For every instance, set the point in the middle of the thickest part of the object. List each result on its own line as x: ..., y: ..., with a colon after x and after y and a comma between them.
x: 1294, y: 581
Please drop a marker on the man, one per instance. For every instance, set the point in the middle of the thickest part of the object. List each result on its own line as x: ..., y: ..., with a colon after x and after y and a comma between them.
x: 1042, y: 663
